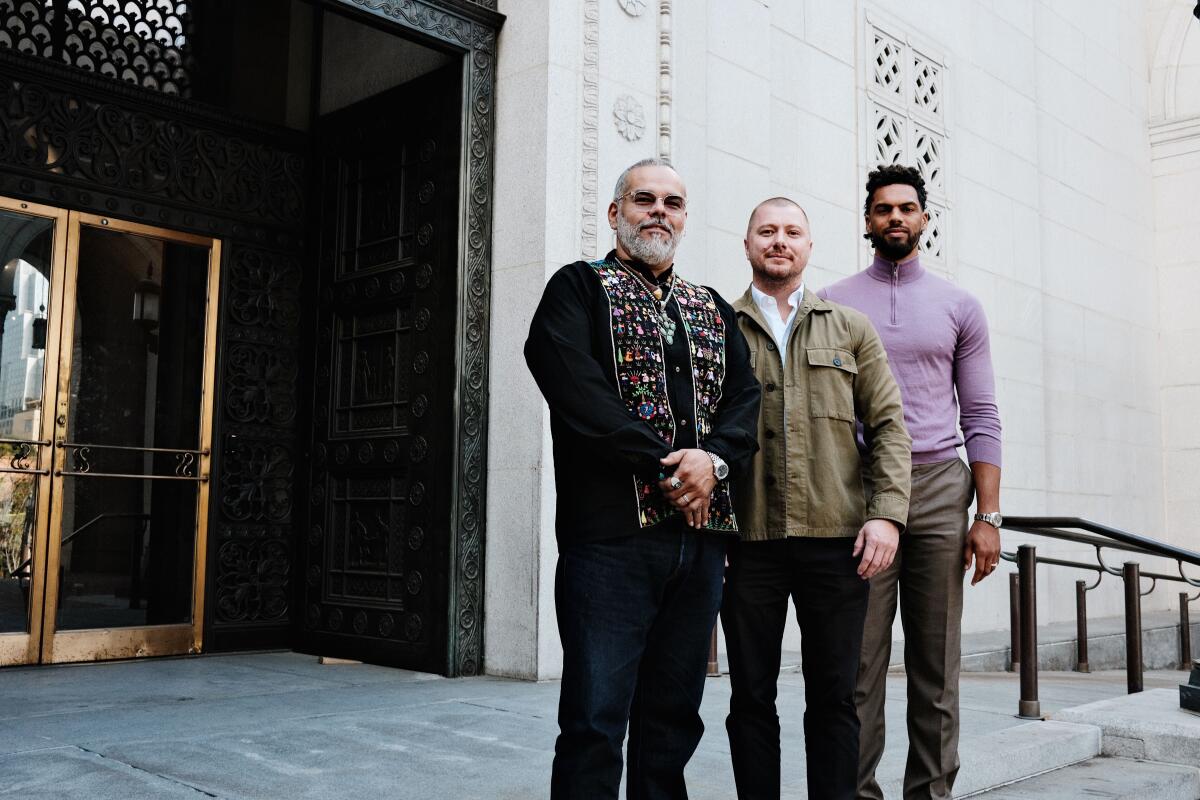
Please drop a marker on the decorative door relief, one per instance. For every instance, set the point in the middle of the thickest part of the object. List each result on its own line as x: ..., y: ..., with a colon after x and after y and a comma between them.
x: 906, y: 88
x: 251, y: 544
x: 379, y: 533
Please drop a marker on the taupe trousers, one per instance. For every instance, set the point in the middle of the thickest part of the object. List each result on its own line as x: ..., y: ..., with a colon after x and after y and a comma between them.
x: 927, y: 579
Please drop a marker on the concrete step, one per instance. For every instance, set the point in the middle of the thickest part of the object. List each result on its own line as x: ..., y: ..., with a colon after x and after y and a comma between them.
x: 1008, y: 755
x: 1112, y: 778
x: 1148, y: 725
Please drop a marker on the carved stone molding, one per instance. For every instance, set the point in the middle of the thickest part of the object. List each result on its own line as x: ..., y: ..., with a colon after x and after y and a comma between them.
x: 590, y: 155
x: 664, y: 79
x: 629, y: 118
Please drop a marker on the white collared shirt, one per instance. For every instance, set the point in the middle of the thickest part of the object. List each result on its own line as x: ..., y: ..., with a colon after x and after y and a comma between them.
x: 780, y: 328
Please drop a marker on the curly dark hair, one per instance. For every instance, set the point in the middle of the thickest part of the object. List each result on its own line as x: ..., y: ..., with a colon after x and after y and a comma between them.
x: 892, y: 174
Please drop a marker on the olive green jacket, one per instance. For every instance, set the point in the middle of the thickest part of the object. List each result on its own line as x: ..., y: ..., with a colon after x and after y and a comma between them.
x: 807, y: 477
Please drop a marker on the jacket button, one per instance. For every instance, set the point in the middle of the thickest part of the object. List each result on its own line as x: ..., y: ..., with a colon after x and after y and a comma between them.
x: 770, y: 387
x: 677, y: 369
x: 770, y: 345
x: 837, y: 362
x: 769, y: 480
x: 770, y: 434
x: 683, y: 422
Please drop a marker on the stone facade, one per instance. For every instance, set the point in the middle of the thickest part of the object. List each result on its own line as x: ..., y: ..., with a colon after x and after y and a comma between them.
x: 1063, y: 143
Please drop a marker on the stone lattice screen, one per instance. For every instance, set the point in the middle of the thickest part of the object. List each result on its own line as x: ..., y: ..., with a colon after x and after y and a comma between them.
x: 906, y: 103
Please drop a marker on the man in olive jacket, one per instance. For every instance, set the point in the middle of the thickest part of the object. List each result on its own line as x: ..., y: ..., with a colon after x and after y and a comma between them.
x: 808, y: 531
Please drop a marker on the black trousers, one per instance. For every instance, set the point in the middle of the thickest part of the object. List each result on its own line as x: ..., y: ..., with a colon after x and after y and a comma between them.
x: 831, y: 606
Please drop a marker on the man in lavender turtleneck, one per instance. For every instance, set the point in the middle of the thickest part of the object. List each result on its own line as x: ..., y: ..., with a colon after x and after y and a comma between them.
x: 936, y: 339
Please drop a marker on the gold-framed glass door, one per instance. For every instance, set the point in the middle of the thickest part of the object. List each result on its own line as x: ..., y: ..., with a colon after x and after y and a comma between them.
x: 33, y: 247
x: 123, y: 458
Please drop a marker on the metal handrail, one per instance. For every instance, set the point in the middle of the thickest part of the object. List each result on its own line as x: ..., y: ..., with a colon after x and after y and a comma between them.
x: 19, y: 572
x: 1023, y: 595
x: 1050, y: 526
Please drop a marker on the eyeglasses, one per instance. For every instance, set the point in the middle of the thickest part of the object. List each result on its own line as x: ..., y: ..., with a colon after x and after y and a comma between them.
x: 646, y: 201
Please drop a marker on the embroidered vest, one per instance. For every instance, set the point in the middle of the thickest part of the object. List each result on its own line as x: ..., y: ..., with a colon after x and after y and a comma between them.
x: 640, y: 365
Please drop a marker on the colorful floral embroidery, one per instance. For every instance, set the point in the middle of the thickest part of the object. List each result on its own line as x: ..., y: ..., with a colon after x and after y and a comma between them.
x: 640, y: 366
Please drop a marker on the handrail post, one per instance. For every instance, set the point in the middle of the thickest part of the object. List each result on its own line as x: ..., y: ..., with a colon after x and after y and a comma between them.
x: 1185, y: 633
x: 1133, y: 626
x: 1029, y: 707
x: 1014, y: 621
x: 1081, y: 634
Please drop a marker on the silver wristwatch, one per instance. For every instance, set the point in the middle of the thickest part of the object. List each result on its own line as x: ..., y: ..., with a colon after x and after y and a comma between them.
x: 992, y: 518
x: 720, y: 468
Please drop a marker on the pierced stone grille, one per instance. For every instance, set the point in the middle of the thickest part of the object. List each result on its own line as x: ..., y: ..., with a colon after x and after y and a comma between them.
x: 889, y: 135
x: 906, y: 109
x: 889, y: 64
x: 143, y: 42
x: 933, y: 242
x: 926, y: 85
x: 927, y: 150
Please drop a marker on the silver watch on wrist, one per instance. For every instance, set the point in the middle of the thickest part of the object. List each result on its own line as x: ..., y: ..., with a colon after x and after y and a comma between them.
x: 992, y: 518
x: 720, y: 468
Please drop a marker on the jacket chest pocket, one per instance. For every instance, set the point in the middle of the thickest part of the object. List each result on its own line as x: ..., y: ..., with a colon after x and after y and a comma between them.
x: 831, y: 374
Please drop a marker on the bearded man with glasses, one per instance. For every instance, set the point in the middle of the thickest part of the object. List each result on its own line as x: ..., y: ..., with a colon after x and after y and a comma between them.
x: 653, y: 409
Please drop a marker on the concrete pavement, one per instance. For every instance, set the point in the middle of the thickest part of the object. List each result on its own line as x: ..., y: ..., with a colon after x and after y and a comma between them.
x: 280, y: 725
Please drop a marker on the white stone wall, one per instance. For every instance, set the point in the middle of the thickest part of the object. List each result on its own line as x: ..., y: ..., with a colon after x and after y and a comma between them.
x: 1174, y: 45
x: 1051, y: 204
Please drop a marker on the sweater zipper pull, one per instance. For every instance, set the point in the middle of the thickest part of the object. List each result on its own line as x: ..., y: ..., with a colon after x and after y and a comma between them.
x: 895, y: 282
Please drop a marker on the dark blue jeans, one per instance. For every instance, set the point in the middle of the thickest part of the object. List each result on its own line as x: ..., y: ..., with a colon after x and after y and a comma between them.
x: 634, y: 614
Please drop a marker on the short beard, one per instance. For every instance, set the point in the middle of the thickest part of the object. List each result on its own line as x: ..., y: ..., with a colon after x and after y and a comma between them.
x: 892, y: 251
x: 766, y: 278
x: 654, y: 252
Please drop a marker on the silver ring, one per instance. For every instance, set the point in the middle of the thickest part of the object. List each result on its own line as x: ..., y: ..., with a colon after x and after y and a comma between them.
x: 675, y: 482
x: 994, y: 564
x: 686, y: 500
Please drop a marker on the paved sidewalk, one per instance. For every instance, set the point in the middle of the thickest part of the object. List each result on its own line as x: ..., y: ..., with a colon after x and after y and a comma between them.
x: 280, y: 725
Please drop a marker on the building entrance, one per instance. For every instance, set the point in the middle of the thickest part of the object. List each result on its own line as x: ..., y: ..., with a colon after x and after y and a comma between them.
x: 107, y: 358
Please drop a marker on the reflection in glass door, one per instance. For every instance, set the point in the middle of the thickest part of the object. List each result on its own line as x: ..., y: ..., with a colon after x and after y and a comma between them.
x: 32, y: 250
x: 103, y: 497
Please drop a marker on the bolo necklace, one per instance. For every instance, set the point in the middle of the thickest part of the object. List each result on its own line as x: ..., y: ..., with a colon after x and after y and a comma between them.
x: 666, y: 325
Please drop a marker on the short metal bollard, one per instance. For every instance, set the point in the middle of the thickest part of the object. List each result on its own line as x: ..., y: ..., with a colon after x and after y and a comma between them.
x: 1014, y: 621
x: 1133, y: 626
x: 1029, y: 706
x: 1081, y: 635
x: 1185, y: 633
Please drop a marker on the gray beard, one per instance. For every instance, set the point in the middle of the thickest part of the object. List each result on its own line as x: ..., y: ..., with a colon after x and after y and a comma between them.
x: 654, y: 252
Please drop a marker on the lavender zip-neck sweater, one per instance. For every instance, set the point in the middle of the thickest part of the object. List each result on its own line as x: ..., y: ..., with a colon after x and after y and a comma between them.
x: 936, y: 338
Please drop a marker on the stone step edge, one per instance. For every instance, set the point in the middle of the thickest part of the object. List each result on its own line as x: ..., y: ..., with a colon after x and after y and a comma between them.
x: 1014, y: 754
x: 1185, y: 771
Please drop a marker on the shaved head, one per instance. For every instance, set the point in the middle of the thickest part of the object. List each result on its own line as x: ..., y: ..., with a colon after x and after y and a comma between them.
x: 776, y: 201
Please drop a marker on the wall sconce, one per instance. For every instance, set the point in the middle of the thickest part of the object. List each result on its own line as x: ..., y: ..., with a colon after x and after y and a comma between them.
x: 145, y: 300
x: 38, y: 340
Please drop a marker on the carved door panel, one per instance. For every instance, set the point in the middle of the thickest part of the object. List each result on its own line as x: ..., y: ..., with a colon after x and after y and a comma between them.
x: 378, y: 544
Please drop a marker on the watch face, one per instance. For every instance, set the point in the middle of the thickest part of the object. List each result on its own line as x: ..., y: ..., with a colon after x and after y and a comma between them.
x: 722, y: 471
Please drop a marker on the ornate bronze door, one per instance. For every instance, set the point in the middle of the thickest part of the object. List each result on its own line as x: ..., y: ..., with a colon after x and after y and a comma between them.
x: 377, y: 549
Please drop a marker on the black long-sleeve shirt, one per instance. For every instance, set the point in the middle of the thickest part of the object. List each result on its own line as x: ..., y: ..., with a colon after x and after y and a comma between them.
x: 598, y: 444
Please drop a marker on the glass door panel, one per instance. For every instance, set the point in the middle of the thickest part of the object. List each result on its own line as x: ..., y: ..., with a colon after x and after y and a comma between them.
x: 132, y: 433
x: 32, y: 244
x: 126, y: 555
